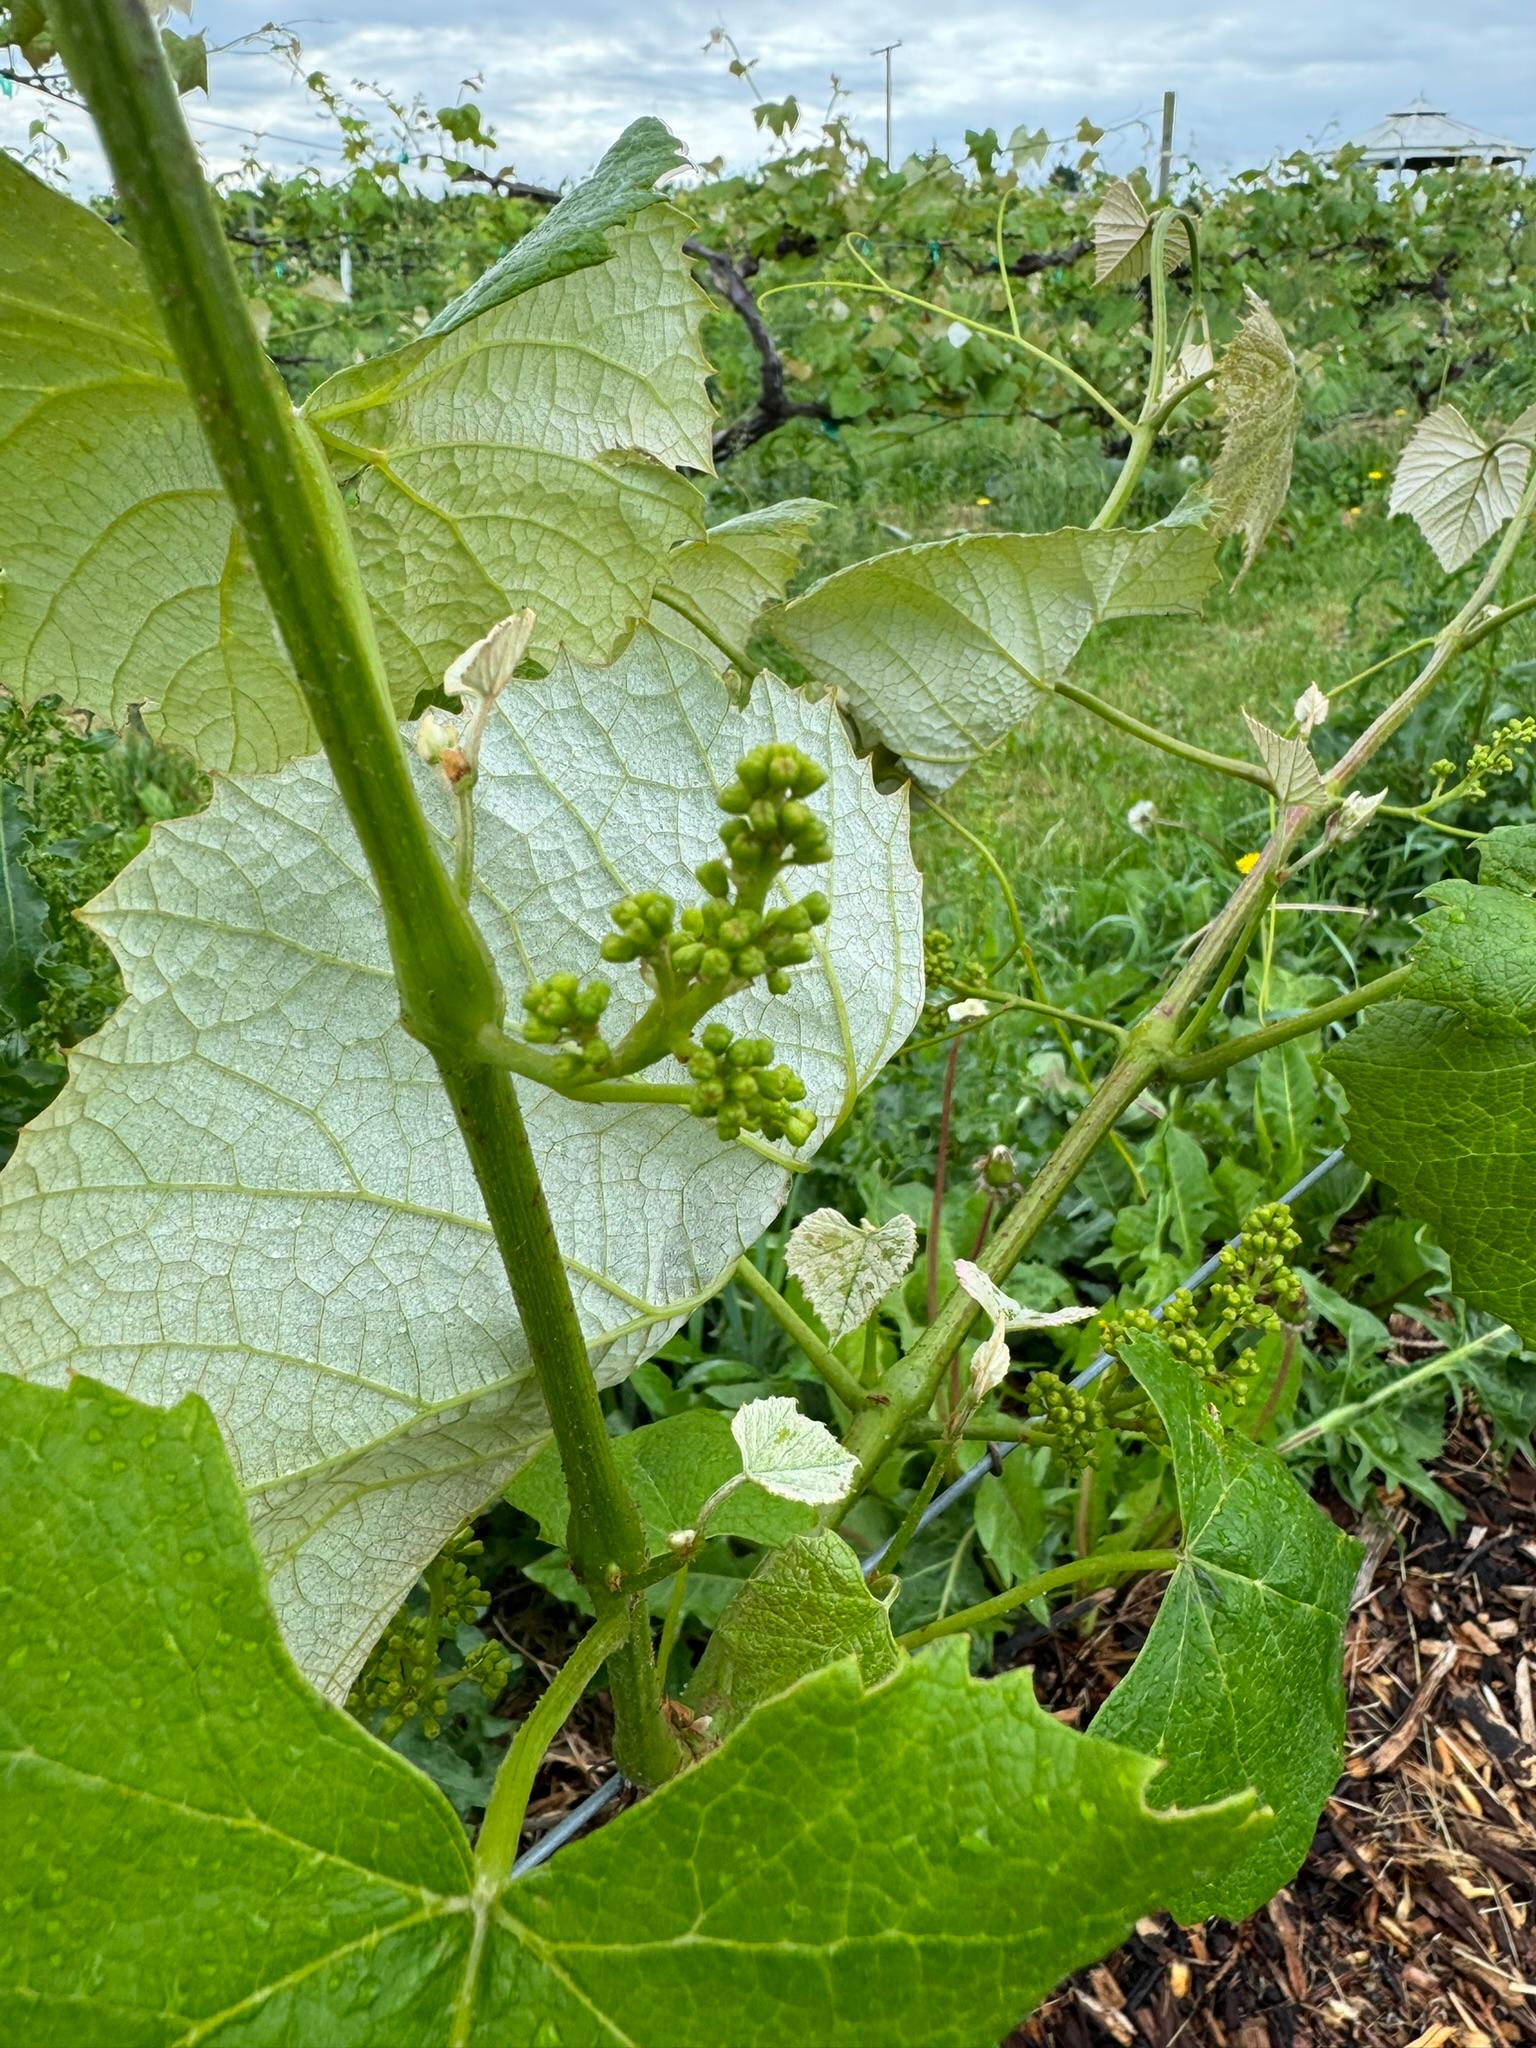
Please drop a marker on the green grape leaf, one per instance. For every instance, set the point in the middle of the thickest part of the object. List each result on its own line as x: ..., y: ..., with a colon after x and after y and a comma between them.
x: 252, y: 1183
x: 23, y: 915
x: 1240, y: 1681
x: 1445, y: 1113
x: 530, y: 456
x: 1476, y: 954
x: 939, y: 650
x: 126, y: 581
x: 847, y: 1269
x: 1122, y: 238
x: 734, y: 571
x: 202, y: 1849
x: 806, y: 1606
x: 1258, y: 395
x: 577, y: 233
x: 1506, y: 858
x: 671, y: 1468
x: 1458, y: 488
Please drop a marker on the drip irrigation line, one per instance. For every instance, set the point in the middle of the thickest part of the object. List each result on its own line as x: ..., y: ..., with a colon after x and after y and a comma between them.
x: 974, y: 1474
x: 573, y: 1822
x: 569, y: 1824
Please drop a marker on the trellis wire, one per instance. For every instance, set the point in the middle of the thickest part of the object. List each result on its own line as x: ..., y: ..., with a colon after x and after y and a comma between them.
x: 573, y: 1822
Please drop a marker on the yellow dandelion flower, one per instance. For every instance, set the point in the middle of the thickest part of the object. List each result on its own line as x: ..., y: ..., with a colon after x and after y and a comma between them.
x: 1246, y: 863
x: 1399, y: 412
x: 1374, y: 476
x: 983, y: 501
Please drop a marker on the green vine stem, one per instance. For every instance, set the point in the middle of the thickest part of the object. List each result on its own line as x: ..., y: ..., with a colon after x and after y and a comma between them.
x: 1351, y: 1411
x: 496, y: 1848
x: 843, y: 1381
x: 293, y: 523
x: 1102, y: 1568
x: 907, y: 1527
x: 1157, y: 406
x: 1204, y: 1066
x: 1154, y: 736
x: 675, y: 601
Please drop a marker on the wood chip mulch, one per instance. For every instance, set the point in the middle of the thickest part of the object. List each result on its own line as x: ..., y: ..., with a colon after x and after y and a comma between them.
x: 1412, y: 1923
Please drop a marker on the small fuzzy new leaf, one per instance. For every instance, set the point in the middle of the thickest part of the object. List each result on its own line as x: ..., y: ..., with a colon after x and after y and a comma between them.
x: 1008, y: 1313
x: 485, y: 669
x: 1240, y: 1682
x: 1458, y: 488
x: 1122, y: 238
x: 1292, y: 772
x: 204, y: 1845
x: 847, y: 1269
x: 791, y: 1454
x: 939, y: 650
x: 1258, y: 395
x: 253, y: 1183
x: 991, y: 1358
x: 1310, y: 711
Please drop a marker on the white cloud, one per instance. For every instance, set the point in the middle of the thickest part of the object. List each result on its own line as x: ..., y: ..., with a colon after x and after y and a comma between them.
x: 560, y: 82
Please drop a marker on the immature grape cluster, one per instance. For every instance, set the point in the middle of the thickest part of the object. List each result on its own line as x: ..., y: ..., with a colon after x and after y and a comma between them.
x: 1255, y: 1289
x: 403, y: 1680
x: 1495, y: 755
x: 944, y: 967
x: 1069, y: 1417
x: 694, y: 958
x: 735, y: 1084
x: 562, y: 1010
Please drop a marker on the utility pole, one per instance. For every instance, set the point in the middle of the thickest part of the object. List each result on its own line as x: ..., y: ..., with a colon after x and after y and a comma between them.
x: 1165, y: 159
x: 884, y: 51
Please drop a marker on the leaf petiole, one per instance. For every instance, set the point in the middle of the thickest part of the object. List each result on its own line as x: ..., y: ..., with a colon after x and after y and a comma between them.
x: 1101, y: 1569
x: 496, y: 1848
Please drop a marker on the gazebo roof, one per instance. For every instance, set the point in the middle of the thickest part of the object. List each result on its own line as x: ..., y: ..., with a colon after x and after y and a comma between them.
x: 1423, y: 137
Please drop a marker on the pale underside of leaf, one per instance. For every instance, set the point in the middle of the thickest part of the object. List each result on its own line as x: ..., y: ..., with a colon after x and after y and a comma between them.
x: 737, y: 569
x: 937, y: 651
x: 1458, y: 488
x: 847, y: 1269
x: 203, y: 1853
x: 252, y: 1184
x: 529, y: 458
x: 125, y: 579
x: 1258, y: 395
x: 791, y: 1453
x: 1122, y: 238
x: 578, y: 231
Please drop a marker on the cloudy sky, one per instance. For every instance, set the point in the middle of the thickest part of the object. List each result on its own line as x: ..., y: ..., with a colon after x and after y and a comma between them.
x: 558, y: 80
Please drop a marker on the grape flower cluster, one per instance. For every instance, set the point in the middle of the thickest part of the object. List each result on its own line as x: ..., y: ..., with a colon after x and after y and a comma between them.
x: 736, y: 1083
x: 1254, y: 1289
x: 404, y: 1679
x: 695, y: 957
